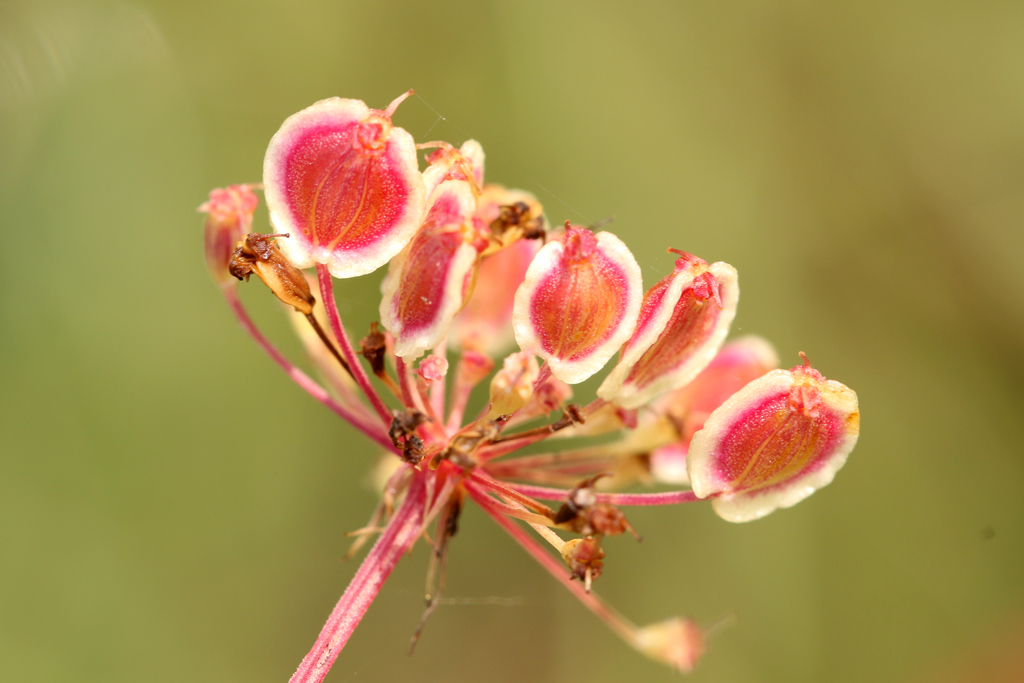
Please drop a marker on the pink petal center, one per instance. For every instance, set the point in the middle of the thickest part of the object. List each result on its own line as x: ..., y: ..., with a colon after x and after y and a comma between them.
x: 342, y: 185
x: 578, y: 306
x: 787, y: 434
x: 692, y: 321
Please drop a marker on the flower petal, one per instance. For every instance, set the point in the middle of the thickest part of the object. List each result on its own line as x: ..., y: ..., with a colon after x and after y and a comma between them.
x: 345, y: 184
x: 429, y: 281
x: 683, y: 322
x: 578, y: 303
x: 773, y: 443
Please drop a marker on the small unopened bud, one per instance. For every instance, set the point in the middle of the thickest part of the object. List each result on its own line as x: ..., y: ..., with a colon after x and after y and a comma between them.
x: 584, y: 557
x: 473, y: 368
x: 229, y: 216
x: 433, y: 368
x: 677, y: 642
x: 512, y: 386
x: 258, y: 254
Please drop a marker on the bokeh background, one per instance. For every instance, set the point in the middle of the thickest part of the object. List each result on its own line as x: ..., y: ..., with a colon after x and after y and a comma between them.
x: 173, y: 509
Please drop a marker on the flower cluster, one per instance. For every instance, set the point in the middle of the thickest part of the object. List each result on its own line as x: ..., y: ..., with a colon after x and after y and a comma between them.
x: 475, y: 268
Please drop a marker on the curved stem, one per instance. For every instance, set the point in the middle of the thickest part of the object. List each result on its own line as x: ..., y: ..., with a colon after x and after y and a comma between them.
x: 400, y: 533
x: 358, y: 373
x: 299, y: 377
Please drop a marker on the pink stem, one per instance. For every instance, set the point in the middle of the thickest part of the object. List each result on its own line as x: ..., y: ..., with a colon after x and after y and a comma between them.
x: 664, y: 498
x: 557, y: 569
x: 437, y: 389
x: 362, y: 379
x: 460, y: 397
x: 401, y: 532
x: 299, y: 377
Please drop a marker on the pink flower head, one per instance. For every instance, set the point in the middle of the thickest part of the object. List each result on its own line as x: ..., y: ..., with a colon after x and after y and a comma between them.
x: 229, y: 217
x: 682, y: 324
x: 578, y: 303
x: 345, y: 184
x: 773, y: 443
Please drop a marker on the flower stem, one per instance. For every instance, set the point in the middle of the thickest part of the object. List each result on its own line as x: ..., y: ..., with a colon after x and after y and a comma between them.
x: 401, y: 532
x: 299, y: 377
x: 639, y: 499
x: 358, y: 373
x: 622, y: 626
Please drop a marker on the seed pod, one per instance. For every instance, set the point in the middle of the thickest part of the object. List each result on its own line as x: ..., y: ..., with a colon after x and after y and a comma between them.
x: 683, y: 322
x: 578, y: 303
x: 346, y: 184
x: 773, y: 443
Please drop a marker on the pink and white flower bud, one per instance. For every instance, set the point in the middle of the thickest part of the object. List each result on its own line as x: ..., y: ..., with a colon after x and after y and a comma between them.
x: 447, y: 163
x: 578, y: 303
x: 229, y: 218
x: 429, y: 282
x: 773, y: 443
x: 345, y: 183
x: 433, y: 368
x: 677, y: 642
x: 683, y: 322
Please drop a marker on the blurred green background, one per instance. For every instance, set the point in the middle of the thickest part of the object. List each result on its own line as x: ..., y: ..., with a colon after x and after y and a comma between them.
x: 173, y: 509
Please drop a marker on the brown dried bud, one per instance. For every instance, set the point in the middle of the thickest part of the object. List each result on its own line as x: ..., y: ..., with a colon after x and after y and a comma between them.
x: 584, y: 558
x: 373, y: 347
x: 258, y: 254
x: 403, y: 434
x: 530, y: 220
x: 582, y: 513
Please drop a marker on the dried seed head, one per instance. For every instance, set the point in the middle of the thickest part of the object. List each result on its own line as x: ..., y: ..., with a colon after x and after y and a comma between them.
x: 373, y: 348
x: 258, y: 254
x: 403, y: 434
x: 773, y: 443
x: 585, y: 559
x: 346, y: 184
